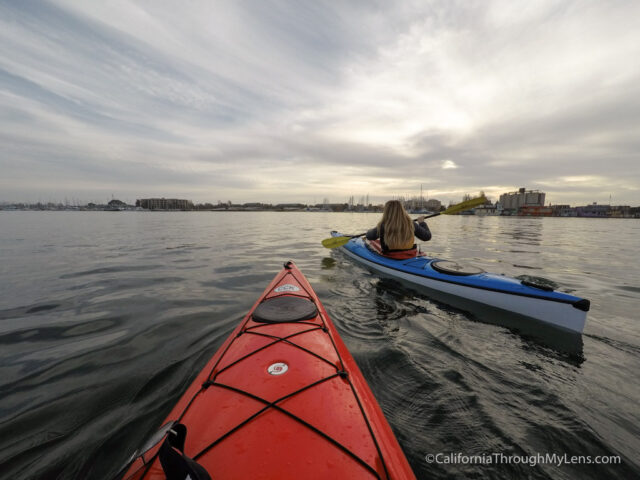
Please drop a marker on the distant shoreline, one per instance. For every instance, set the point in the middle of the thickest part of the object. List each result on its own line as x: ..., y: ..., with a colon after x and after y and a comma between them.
x: 292, y: 211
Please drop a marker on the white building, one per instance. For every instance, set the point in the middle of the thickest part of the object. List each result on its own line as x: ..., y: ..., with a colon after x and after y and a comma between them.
x: 514, y: 200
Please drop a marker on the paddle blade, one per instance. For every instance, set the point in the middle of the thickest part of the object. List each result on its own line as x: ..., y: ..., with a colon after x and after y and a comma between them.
x: 335, y: 242
x: 466, y: 205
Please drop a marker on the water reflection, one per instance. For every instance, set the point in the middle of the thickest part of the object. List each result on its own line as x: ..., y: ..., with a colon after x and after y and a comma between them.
x: 529, y: 231
x: 393, y: 300
x: 543, y: 338
x: 328, y: 263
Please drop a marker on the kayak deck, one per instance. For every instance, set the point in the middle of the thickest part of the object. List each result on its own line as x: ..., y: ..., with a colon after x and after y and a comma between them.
x: 283, y: 398
x: 559, y: 309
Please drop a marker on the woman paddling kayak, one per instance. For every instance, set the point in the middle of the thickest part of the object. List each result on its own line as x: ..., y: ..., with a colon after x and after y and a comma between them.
x: 396, y: 231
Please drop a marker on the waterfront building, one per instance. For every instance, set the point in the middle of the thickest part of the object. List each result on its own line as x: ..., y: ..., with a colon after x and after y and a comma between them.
x: 164, y: 204
x: 511, y: 202
x: 487, y: 209
x: 290, y: 206
x: 563, y: 211
x: 255, y: 206
x: 594, y: 210
x: 535, y: 211
x: 621, y: 211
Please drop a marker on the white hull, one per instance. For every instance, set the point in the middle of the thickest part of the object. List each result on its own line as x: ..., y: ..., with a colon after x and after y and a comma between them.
x: 558, y: 314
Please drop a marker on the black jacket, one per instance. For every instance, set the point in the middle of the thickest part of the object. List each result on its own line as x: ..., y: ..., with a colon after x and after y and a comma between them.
x: 420, y: 230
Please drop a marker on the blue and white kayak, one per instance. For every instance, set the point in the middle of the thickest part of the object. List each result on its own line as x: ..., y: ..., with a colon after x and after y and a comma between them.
x: 458, y: 285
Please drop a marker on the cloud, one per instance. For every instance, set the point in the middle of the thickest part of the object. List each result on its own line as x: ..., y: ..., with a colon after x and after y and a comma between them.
x: 448, y: 164
x: 285, y: 101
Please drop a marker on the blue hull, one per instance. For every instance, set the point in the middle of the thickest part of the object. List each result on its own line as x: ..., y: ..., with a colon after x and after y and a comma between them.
x: 559, y: 309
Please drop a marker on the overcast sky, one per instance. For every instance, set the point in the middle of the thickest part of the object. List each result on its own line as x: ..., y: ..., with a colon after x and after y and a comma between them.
x: 297, y: 101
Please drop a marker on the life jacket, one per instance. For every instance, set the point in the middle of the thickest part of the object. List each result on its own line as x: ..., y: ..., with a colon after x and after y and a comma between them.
x: 394, y: 254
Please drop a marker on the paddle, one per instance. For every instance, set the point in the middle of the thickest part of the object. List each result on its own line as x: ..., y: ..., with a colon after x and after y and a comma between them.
x: 335, y: 242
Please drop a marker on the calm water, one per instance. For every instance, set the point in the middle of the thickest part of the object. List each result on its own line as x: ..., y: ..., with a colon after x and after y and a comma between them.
x: 106, y: 317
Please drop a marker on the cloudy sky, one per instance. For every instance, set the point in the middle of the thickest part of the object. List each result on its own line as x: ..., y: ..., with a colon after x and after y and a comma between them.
x: 294, y: 100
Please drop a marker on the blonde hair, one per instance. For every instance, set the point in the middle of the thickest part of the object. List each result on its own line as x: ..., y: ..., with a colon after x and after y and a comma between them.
x: 398, y: 226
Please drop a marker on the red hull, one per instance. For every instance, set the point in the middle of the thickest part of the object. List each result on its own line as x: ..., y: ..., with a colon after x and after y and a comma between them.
x: 318, y: 419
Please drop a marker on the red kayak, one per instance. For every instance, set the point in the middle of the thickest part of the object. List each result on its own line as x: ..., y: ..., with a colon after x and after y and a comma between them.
x: 281, y: 399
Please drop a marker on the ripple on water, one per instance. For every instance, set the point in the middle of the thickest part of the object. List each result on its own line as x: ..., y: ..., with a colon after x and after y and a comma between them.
x: 114, y: 269
x: 77, y: 396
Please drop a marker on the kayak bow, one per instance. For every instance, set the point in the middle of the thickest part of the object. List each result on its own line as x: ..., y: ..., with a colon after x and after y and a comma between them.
x: 452, y: 283
x: 281, y: 399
